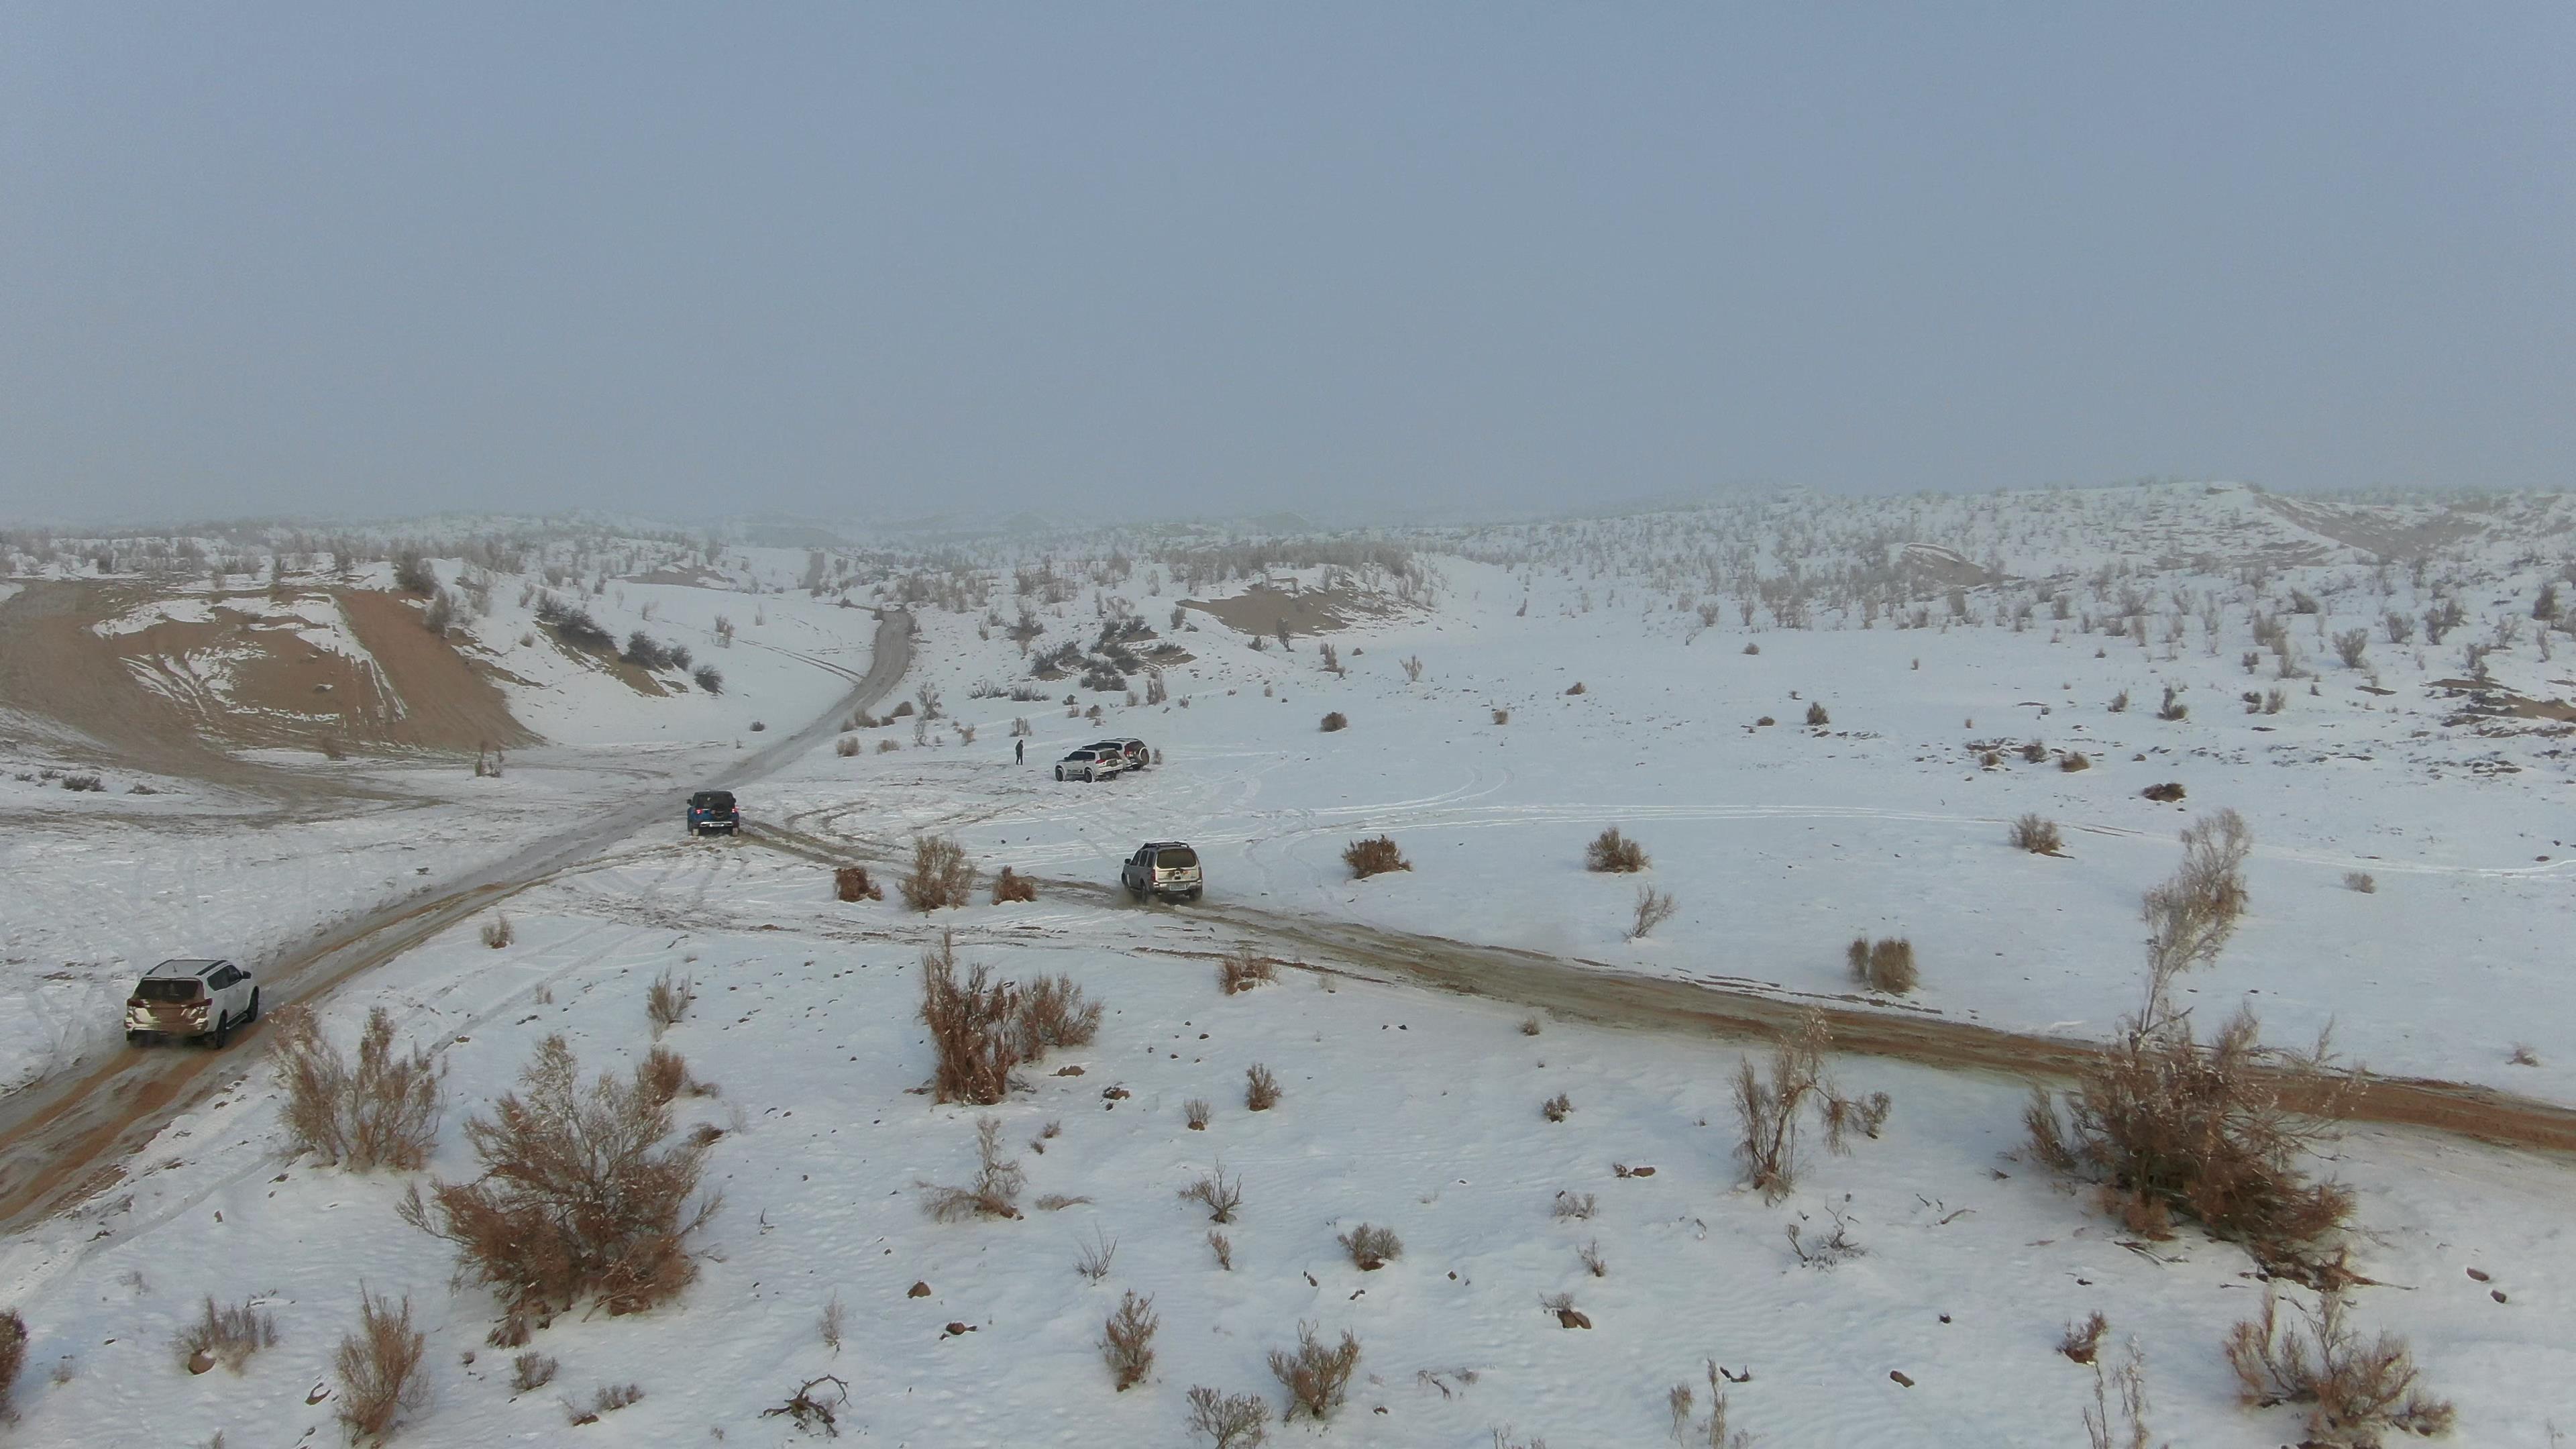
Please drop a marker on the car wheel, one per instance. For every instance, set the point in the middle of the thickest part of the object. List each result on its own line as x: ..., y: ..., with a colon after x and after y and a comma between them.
x: 1194, y: 892
x: 253, y: 1014
x: 223, y: 1031
x: 135, y: 1038
x: 1059, y: 774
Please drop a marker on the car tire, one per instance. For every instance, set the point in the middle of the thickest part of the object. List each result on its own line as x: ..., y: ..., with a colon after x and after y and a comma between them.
x: 253, y: 1014
x: 1059, y: 774
x: 136, y: 1038
x: 222, y: 1033
x: 1194, y: 892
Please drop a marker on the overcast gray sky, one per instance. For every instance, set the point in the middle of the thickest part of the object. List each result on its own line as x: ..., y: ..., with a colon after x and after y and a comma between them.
x: 840, y: 260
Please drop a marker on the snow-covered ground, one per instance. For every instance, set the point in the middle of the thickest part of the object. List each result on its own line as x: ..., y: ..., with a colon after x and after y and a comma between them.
x: 1422, y: 1113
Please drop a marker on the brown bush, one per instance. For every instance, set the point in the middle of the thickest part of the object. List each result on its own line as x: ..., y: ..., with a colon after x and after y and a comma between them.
x: 1315, y: 1377
x: 1575, y: 688
x: 1886, y: 966
x: 582, y: 1194
x: 2035, y: 752
x: 995, y: 1193
x: 851, y: 883
x: 2164, y: 794
x: 1502, y: 716
x: 975, y: 1027
x: 1768, y: 1111
x: 2073, y: 760
x: 1336, y: 721
x: 1127, y: 1340
x: 2038, y: 835
x: 667, y: 1000
x: 1653, y: 908
x: 2083, y: 1342
x: 1612, y: 851
x: 1011, y: 886
x: 13, y: 1360
x: 531, y: 1371
x: 1223, y: 1246
x: 1052, y: 1012
x: 1261, y: 1089
x: 2191, y: 916
x: 2361, y: 881
x: 1557, y: 1108
x: 1221, y: 1195
x: 379, y: 1367
x: 1197, y: 1112
x: 227, y: 1336
x: 847, y: 746
x: 2354, y: 1392
x: 940, y: 875
x: 1229, y: 1421
x: 1374, y: 856
x: 498, y: 932
x: 1371, y: 1247
x: 1816, y: 716
x: 382, y: 1113
x: 1242, y: 969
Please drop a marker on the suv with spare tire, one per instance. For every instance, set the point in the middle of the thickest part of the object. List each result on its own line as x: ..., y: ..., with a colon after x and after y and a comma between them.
x: 188, y: 999
x: 1168, y: 869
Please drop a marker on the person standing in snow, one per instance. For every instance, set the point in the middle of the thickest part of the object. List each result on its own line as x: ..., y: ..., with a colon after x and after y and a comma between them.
x: 1019, y: 752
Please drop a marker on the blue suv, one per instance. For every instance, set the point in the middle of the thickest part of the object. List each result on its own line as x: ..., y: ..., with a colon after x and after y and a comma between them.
x: 712, y: 812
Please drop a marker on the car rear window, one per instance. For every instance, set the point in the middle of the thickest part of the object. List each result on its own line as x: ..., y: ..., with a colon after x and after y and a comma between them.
x: 167, y: 988
x: 712, y: 800
x: 1182, y: 858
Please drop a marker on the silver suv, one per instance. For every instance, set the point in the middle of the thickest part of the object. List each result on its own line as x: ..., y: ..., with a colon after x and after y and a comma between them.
x: 1165, y: 868
x: 1091, y: 764
x: 189, y: 999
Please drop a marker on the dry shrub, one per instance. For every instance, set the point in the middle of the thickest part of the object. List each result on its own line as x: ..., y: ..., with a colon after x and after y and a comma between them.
x: 2164, y: 794
x: 382, y: 1113
x: 1315, y: 1377
x: 828, y: 1325
x: 1242, y: 969
x: 975, y: 1029
x: 847, y: 746
x: 1502, y: 716
x: 1886, y: 965
x: 808, y: 1412
x: 1230, y: 1421
x: 851, y: 883
x: 1768, y: 1111
x: 2035, y: 752
x: 1336, y: 721
x: 1530, y: 1026
x: 940, y: 875
x: 379, y: 1367
x: 1589, y: 1255
x: 667, y: 1000
x: 1223, y: 1246
x: 1653, y: 908
x: 1127, y: 1340
x: 1096, y: 1256
x: 2354, y: 1392
x: 1557, y: 1108
x: 531, y: 1371
x: 995, y: 1192
x: 1197, y: 1112
x: 2038, y: 835
x: 1680, y: 1401
x: 2125, y: 1427
x: 1054, y: 1013
x: 888, y: 746
x: 227, y: 1336
x: 1374, y: 856
x: 2361, y: 881
x: 1220, y: 1194
x: 1580, y: 1206
x: 2191, y: 916
x: 13, y: 1359
x: 1816, y: 716
x: 1011, y: 886
x: 1371, y: 1247
x: 2083, y: 1341
x: 1612, y: 851
x: 582, y: 1192
x: 2073, y: 761
x: 498, y: 932
x: 1575, y: 688
x: 606, y: 1399
x: 1260, y: 1088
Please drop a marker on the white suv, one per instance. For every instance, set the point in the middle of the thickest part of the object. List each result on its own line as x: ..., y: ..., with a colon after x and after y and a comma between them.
x: 1091, y: 763
x: 190, y: 999
x: 1167, y: 869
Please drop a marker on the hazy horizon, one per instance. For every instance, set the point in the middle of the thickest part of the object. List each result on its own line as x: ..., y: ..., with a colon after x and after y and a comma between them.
x: 1359, y: 263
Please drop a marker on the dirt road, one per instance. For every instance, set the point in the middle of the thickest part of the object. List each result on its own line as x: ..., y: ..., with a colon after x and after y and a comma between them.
x: 61, y: 1140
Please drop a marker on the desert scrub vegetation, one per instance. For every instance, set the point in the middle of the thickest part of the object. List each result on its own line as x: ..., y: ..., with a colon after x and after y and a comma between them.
x: 1371, y: 1247
x: 1053, y: 1012
x: 851, y: 883
x: 1557, y: 1108
x: 2038, y: 835
x: 1012, y: 886
x: 2361, y: 882
x: 1228, y: 1421
x: 1242, y: 969
x: 1652, y: 909
x: 532, y: 1371
x: 1612, y: 851
x: 1221, y: 1196
x: 1336, y: 721
x: 2355, y: 1393
x: 225, y: 1335
x: 381, y: 1112
x: 1886, y: 964
x: 995, y: 1192
x: 497, y: 932
x: 1315, y: 1377
x: 1127, y: 1340
x: 1681, y: 1402
x: 667, y: 1000
x: 981, y: 1028
x: 1816, y: 716
x: 13, y: 1361
x: 583, y: 1194
x: 1374, y: 856
x: 2082, y: 1342
x: 378, y: 1366
x: 1768, y: 1110
x: 940, y: 875
x: 1260, y: 1088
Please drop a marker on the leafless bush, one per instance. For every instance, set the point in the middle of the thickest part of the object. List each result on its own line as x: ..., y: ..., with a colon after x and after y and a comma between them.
x: 384, y: 1112
x: 2073, y: 761
x: 1768, y: 1111
x: 1127, y: 1340
x: 1197, y: 1111
x: 2125, y: 1427
x: 2034, y: 752
x: 847, y: 746
x: 2083, y: 1341
x: 1589, y: 1255
x: 2354, y: 1392
x: 1816, y: 716
x: 1830, y: 1250
x: 13, y: 1360
x: 940, y: 875
x: 2120, y: 702
x: 1680, y: 1401
x: 995, y: 1192
x: 1374, y: 856
x: 851, y: 883
x: 668, y: 1000
x: 1530, y: 1026
x: 1502, y: 716
x: 1261, y: 1089
x: 531, y: 1371
x: 1336, y: 721
x: 2191, y: 916
x: 2360, y: 880
x: 975, y: 1029
x: 1011, y: 886
x: 1242, y: 969
x: 1612, y: 851
x: 1371, y: 1247
x: 1887, y: 965
x: 2173, y: 709
x: 1579, y: 1206
x: 1096, y: 1256
x: 379, y: 1367
x: 1315, y: 1377
x: 2038, y: 835
x: 1053, y: 1012
x: 1575, y: 688
x: 1412, y: 668
x: 808, y: 1411
x: 1220, y: 1194
x: 835, y: 1317
x: 607, y: 1399
x: 227, y: 1336
x: 1231, y: 1421
x: 582, y: 1194
x: 2351, y: 645
x: 497, y: 932
x: 1653, y: 908
x: 1557, y: 1108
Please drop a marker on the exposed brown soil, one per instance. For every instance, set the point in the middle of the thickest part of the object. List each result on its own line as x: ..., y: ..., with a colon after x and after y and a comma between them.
x: 1261, y: 609
x: 1947, y: 566
x: 2373, y: 532
x: 447, y: 701
x: 2494, y: 700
